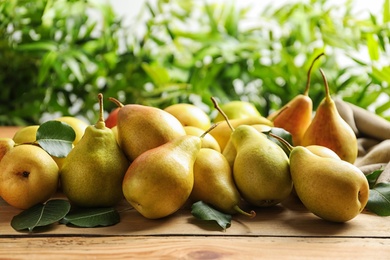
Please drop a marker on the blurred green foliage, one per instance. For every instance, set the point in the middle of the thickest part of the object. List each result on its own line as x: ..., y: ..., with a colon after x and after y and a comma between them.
x: 56, y: 56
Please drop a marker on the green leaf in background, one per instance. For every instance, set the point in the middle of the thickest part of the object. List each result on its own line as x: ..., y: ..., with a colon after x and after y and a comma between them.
x: 92, y: 217
x: 379, y: 199
x: 373, y: 47
x: 41, y: 215
x: 56, y: 137
x: 203, y: 211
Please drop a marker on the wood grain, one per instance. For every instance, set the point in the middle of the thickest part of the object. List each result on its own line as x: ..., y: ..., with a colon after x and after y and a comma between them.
x: 184, y: 247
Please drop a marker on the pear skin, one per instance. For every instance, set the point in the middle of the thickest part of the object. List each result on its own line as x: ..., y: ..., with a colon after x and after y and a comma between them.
x: 261, y: 168
x: 141, y: 128
x: 296, y: 115
x: 214, y: 184
x: 92, y: 173
x: 208, y: 141
x: 330, y: 130
x: 332, y: 189
x: 6, y: 144
x: 222, y: 132
x: 160, y: 180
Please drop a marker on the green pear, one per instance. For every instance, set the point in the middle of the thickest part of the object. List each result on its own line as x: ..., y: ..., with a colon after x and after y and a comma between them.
x: 261, y: 168
x: 141, y: 128
x: 237, y: 109
x: 214, y: 184
x: 332, y: 189
x: 92, y: 173
x: 160, y: 180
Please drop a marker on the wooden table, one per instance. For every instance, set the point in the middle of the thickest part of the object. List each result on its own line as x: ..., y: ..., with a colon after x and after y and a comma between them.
x: 286, y: 231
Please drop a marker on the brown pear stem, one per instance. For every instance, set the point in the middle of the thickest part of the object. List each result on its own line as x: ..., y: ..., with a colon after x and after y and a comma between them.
x: 306, y: 93
x: 208, y: 130
x: 251, y: 214
x: 222, y: 113
x: 327, y: 94
x: 100, y: 123
x: 116, y: 101
x: 283, y: 141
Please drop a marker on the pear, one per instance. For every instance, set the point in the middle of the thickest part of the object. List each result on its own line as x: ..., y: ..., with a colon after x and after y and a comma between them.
x: 6, y: 144
x: 332, y: 189
x: 189, y: 115
x: 223, y: 131
x: 208, y: 141
x: 214, y: 184
x: 261, y: 168
x: 141, y: 128
x: 160, y: 180
x: 296, y: 115
x: 330, y: 130
x: 237, y: 109
x: 92, y: 173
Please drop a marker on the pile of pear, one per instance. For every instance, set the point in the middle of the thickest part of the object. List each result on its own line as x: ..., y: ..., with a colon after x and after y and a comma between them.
x: 160, y: 159
x: 160, y: 165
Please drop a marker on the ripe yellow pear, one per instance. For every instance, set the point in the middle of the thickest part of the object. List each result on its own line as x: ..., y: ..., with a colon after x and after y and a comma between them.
x: 92, y: 173
x: 330, y: 130
x: 208, y: 141
x: 237, y: 109
x: 189, y: 115
x: 141, y: 128
x: 26, y: 135
x: 6, y: 144
x: 222, y: 132
x: 261, y: 168
x: 160, y: 180
x: 28, y: 176
x: 214, y: 184
x: 332, y: 189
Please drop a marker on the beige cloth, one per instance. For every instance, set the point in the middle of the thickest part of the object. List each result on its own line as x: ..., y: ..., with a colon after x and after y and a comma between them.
x: 373, y: 137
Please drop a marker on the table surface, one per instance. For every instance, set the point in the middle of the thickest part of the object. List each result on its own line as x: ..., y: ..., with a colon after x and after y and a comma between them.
x: 286, y: 231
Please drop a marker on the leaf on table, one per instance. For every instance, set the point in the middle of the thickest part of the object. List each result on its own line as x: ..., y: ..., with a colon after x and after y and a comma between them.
x: 203, y: 211
x: 41, y: 215
x: 92, y: 217
x: 379, y: 199
x: 56, y: 137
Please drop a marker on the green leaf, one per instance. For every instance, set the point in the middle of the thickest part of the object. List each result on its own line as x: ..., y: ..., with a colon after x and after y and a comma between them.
x: 56, y: 137
x: 41, y: 215
x: 372, y: 177
x: 386, y: 11
x: 373, y: 47
x: 203, y: 211
x: 92, y: 217
x: 379, y: 199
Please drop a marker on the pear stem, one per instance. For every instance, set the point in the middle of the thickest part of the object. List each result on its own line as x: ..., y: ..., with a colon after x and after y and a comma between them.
x: 222, y: 113
x: 100, y: 123
x: 251, y: 214
x: 208, y: 130
x: 327, y: 94
x: 283, y: 141
x: 116, y: 101
x: 306, y: 93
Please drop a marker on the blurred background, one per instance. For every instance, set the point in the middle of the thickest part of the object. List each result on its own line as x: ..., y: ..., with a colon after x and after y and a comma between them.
x: 56, y: 56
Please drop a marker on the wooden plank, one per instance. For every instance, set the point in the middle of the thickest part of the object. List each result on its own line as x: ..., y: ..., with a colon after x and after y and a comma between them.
x: 287, y: 219
x: 140, y: 247
x: 8, y: 131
